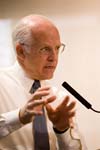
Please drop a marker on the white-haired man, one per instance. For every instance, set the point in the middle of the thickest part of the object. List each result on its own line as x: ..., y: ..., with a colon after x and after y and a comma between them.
x: 37, y: 44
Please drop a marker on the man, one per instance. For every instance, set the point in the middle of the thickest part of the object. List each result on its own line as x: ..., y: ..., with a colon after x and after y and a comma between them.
x: 37, y: 45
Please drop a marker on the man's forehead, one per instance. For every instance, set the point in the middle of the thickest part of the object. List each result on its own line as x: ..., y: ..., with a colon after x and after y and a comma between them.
x: 35, y: 20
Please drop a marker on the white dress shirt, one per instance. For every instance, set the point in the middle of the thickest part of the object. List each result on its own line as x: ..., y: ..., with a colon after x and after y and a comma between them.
x: 14, y: 93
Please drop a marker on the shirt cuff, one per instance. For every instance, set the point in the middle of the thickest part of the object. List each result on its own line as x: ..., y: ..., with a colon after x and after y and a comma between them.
x: 69, y: 140
x: 12, y: 121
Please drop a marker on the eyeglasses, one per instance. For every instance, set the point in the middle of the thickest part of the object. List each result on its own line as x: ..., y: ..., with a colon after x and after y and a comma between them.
x: 47, y: 50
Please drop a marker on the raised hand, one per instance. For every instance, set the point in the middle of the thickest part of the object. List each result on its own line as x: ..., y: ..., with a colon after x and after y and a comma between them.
x: 34, y: 105
x: 62, y: 115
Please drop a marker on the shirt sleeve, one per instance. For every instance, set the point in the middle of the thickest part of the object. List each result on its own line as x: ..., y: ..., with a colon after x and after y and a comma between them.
x: 9, y: 122
x: 71, y: 140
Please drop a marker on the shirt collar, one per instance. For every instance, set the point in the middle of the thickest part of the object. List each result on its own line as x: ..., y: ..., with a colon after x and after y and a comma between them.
x: 23, y: 78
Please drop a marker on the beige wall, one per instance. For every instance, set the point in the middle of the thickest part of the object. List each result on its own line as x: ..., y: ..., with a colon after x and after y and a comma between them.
x: 79, y: 24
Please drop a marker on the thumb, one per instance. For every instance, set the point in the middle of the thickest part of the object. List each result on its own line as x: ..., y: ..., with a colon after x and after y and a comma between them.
x: 49, y: 108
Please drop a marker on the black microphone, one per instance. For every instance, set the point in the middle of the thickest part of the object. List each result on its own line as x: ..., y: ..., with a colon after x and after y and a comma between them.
x: 78, y: 96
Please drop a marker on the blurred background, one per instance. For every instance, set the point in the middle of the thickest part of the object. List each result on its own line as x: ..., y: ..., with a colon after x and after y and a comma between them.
x: 79, y: 24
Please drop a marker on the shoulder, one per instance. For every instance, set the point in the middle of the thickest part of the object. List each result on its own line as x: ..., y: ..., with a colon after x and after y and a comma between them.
x: 6, y: 76
x: 4, y: 72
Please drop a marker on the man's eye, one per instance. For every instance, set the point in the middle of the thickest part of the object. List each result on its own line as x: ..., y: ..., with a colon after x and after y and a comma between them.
x: 45, y: 49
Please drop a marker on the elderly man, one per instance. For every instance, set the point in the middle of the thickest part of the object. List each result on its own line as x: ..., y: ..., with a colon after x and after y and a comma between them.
x: 28, y: 120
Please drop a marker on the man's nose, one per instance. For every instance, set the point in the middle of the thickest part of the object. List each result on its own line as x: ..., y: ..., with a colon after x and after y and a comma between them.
x: 53, y: 54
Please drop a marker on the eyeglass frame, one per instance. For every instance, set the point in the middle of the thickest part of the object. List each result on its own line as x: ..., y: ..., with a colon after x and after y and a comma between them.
x: 47, y: 50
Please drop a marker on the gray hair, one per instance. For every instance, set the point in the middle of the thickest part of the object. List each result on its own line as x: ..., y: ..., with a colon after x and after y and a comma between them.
x: 22, y: 34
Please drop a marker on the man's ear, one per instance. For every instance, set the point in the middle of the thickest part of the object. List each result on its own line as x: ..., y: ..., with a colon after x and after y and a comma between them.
x: 20, y: 51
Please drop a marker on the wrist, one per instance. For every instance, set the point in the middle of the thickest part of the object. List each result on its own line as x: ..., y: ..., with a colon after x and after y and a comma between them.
x: 24, y: 117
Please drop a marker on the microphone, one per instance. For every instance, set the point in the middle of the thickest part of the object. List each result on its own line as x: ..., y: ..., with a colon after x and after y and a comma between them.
x: 78, y: 96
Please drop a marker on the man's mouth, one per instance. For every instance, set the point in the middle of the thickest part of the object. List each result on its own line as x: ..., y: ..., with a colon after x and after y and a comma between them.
x: 50, y: 67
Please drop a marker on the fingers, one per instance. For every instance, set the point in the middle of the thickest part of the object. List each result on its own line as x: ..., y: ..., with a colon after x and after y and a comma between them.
x: 34, y: 112
x: 41, y: 92
x: 50, y: 99
x: 65, y: 101
x: 67, y: 108
x: 40, y: 97
x: 71, y: 109
x: 44, y: 88
x: 38, y: 102
x: 49, y: 108
x: 71, y: 106
x: 35, y: 103
x: 32, y: 106
x: 63, y: 104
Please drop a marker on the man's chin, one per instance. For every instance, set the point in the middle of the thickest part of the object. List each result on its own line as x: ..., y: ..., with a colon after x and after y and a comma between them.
x: 47, y: 77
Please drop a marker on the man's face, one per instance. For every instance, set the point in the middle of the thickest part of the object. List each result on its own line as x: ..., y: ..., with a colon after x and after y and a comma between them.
x: 41, y: 61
